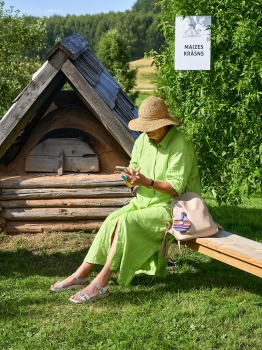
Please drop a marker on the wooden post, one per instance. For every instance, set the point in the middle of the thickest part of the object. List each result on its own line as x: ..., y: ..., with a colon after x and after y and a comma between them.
x: 60, y: 164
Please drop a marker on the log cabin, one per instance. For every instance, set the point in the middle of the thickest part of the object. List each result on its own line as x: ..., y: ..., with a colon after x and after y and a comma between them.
x: 59, y: 147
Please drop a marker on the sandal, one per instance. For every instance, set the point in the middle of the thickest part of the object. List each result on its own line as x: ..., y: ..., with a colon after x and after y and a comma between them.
x: 84, y: 298
x: 61, y: 285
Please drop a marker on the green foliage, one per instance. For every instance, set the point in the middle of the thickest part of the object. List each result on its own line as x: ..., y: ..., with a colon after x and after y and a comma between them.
x: 113, y: 53
x: 221, y: 108
x: 20, y: 43
x: 145, y: 6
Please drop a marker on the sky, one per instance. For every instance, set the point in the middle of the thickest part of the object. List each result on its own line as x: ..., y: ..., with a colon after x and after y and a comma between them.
x: 64, y: 7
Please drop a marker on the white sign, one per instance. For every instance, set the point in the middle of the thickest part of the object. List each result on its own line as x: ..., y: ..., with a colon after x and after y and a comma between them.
x: 192, y: 43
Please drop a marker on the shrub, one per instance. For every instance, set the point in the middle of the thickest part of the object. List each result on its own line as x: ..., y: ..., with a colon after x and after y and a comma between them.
x: 221, y: 108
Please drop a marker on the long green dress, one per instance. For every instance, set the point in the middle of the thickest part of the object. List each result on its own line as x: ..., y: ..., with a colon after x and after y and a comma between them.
x: 142, y: 221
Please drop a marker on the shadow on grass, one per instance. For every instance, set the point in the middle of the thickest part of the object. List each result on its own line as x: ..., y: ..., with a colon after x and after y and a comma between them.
x: 200, y: 274
x: 27, y: 263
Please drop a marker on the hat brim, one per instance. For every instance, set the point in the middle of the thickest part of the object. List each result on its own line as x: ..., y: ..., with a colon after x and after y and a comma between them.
x: 147, y: 126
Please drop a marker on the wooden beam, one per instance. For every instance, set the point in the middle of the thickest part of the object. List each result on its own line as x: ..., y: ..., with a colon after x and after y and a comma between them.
x: 35, y: 94
x: 52, y: 193
x: 98, y: 107
x: 60, y: 169
x: 42, y: 214
x: 66, y: 181
x: 18, y: 227
x: 65, y: 203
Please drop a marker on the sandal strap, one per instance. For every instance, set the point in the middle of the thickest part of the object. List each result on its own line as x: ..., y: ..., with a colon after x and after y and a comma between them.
x: 102, y: 290
x: 83, y: 296
x: 78, y: 279
x: 61, y: 284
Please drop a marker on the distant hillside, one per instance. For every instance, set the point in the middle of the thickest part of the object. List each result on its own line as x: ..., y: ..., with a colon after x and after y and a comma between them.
x: 145, y: 74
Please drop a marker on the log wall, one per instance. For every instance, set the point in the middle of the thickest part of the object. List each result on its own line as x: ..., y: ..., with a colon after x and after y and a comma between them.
x: 73, y: 202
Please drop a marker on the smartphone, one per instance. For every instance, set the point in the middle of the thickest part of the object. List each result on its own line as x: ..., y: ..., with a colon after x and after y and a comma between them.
x: 120, y: 168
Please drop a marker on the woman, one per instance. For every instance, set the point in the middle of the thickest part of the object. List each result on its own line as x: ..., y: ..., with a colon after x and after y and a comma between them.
x: 163, y: 165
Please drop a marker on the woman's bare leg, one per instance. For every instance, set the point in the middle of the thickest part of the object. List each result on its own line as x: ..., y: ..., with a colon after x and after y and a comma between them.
x: 82, y: 272
x: 102, y: 279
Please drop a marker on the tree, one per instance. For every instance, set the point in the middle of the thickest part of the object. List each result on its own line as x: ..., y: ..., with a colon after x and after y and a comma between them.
x: 138, y: 27
x: 145, y: 6
x: 114, y: 54
x: 222, y: 107
x: 20, y: 42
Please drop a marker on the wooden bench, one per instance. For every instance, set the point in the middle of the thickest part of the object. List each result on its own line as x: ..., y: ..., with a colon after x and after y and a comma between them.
x: 240, y: 252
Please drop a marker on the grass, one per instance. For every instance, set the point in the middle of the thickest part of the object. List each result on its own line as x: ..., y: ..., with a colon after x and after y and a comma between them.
x: 202, y: 303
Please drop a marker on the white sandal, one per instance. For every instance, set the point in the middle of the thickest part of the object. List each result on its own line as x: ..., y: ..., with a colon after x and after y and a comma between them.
x: 84, y: 298
x: 61, y: 285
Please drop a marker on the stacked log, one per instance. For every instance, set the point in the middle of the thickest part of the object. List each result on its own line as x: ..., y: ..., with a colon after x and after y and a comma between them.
x: 73, y: 202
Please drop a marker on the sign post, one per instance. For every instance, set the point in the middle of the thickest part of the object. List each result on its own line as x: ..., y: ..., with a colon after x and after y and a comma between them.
x: 192, y: 43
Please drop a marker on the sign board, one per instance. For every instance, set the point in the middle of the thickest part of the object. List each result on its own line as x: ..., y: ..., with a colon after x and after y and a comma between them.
x: 192, y: 43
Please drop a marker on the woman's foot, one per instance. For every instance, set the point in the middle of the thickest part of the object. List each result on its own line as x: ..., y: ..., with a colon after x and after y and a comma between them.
x: 71, y: 282
x: 90, y: 293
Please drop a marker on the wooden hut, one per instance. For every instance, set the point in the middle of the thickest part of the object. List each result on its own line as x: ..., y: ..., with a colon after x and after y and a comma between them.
x: 59, y: 148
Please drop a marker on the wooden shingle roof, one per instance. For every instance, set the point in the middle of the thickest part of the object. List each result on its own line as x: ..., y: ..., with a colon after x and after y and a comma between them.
x: 70, y: 60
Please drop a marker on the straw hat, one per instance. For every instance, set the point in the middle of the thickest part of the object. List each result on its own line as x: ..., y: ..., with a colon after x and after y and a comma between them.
x: 152, y: 115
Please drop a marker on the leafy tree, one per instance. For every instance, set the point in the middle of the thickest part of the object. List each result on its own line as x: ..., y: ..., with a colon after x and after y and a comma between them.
x: 20, y: 42
x: 113, y: 53
x: 221, y: 107
x: 145, y: 6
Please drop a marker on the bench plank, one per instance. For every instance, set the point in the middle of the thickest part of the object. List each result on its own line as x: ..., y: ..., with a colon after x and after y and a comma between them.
x: 231, y: 249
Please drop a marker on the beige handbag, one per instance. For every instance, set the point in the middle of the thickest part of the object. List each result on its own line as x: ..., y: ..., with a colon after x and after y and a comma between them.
x: 191, y: 218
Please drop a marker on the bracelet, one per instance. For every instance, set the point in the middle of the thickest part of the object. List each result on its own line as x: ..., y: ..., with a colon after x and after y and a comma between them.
x: 151, y: 186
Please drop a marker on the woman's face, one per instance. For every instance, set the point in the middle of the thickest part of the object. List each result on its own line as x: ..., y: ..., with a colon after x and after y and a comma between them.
x: 158, y: 134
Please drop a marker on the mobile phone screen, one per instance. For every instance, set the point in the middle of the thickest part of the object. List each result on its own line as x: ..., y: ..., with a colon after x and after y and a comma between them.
x: 120, y: 168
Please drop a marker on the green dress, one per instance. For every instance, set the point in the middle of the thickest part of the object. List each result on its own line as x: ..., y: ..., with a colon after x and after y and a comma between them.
x: 142, y: 221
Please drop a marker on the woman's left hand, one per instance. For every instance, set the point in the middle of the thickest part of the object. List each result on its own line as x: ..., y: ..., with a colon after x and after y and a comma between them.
x: 136, y: 178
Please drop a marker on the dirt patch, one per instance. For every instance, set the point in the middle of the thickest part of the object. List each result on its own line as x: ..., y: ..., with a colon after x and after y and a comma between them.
x: 146, y: 74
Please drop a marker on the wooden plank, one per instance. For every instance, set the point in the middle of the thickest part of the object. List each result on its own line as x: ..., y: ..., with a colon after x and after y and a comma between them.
x: 66, y: 202
x: 66, y: 181
x: 52, y: 193
x: 98, y: 107
x: 18, y: 227
x: 19, y: 115
x: 40, y: 214
x: 231, y: 249
x: 70, y: 146
x: 227, y: 259
x: 50, y: 164
x: 235, y: 245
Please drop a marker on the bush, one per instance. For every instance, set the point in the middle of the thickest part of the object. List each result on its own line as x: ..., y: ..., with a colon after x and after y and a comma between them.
x: 221, y: 108
x: 20, y: 42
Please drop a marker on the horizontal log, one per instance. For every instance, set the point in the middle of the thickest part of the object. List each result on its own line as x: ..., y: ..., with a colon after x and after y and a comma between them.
x: 67, y: 202
x: 64, y: 181
x: 40, y: 214
x: 52, y: 193
x: 17, y: 227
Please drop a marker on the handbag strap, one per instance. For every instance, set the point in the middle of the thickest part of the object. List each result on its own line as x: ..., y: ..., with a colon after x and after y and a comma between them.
x: 164, y: 246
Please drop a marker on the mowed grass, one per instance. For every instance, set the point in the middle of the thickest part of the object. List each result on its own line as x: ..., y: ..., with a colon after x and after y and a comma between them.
x: 145, y: 74
x: 202, y: 303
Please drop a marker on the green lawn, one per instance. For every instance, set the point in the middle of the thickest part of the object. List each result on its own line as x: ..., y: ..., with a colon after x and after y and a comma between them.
x: 202, y: 304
